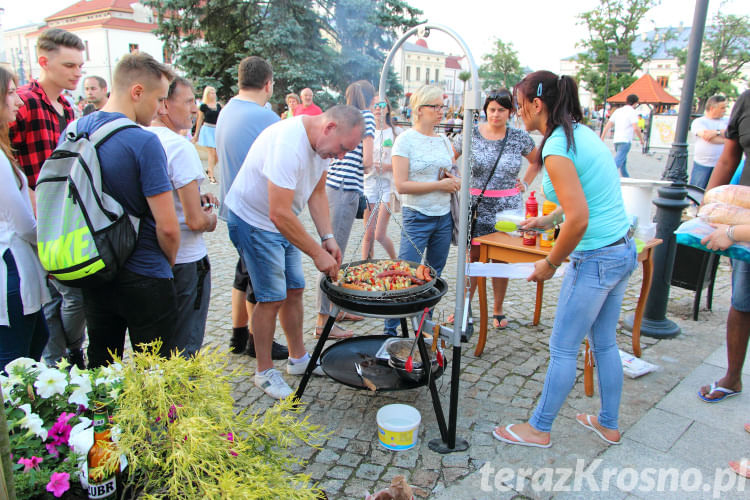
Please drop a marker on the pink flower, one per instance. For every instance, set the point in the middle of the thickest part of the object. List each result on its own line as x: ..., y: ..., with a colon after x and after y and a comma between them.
x: 229, y: 436
x: 52, y: 449
x: 60, y: 431
x: 59, y: 483
x: 233, y: 453
x: 64, y: 417
x: 172, y: 414
x: 30, y: 463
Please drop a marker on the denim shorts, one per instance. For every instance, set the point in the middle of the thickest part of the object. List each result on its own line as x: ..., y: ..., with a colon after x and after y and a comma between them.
x: 741, y: 285
x: 274, y: 264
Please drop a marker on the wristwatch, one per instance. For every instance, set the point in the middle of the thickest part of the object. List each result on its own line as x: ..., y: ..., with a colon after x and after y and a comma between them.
x: 718, y: 133
x: 730, y: 234
x: 326, y: 237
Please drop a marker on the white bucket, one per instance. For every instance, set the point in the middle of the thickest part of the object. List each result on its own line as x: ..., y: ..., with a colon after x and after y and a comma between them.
x: 398, y: 426
x: 637, y: 194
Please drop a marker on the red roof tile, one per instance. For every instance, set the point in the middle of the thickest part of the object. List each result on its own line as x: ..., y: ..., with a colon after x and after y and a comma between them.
x: 451, y: 62
x: 648, y: 91
x: 113, y: 23
x: 88, y: 6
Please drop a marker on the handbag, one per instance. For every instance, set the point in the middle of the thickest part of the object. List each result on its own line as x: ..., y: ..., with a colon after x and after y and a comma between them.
x: 362, y: 206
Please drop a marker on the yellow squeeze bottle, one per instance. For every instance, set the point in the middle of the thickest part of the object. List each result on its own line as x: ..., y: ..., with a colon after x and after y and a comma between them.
x: 548, y: 237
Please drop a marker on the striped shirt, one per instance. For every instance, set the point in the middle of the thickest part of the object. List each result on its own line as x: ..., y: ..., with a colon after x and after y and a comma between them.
x: 349, y: 173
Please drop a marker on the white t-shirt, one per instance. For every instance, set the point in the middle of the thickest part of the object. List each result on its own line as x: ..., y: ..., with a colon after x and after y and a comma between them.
x: 624, y: 118
x: 183, y: 166
x: 706, y: 153
x: 281, y: 154
x: 378, y: 183
x: 426, y: 155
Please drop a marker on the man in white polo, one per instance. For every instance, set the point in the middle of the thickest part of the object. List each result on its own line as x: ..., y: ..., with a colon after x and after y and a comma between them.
x: 625, y: 121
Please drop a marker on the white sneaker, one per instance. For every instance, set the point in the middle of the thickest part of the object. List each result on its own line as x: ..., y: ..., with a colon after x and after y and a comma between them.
x: 299, y: 368
x: 272, y: 383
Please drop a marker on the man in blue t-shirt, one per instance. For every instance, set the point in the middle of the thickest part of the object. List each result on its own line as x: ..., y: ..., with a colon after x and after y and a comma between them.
x: 240, y: 122
x: 141, y: 299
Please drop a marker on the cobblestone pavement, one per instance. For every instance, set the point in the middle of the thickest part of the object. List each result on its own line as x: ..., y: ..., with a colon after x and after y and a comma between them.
x: 501, y: 386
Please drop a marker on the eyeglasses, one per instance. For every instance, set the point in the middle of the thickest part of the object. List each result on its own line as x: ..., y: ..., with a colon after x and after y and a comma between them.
x: 435, y: 107
x: 503, y: 98
x: 381, y: 105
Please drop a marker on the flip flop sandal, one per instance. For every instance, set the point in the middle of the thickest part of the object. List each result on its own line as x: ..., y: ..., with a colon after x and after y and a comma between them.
x: 715, y: 387
x: 741, y: 467
x: 336, y: 333
x: 517, y: 439
x: 499, y: 318
x: 590, y: 426
x: 349, y: 317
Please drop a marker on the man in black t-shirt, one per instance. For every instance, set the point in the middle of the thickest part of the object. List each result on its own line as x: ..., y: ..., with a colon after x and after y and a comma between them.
x: 738, y: 321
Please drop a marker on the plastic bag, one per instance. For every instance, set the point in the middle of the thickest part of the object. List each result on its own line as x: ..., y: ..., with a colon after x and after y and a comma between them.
x: 691, y: 233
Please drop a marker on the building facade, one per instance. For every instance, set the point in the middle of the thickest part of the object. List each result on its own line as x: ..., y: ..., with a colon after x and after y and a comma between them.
x: 109, y: 29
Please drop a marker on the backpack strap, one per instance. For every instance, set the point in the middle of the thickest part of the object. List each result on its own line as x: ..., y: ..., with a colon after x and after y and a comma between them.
x: 100, y: 135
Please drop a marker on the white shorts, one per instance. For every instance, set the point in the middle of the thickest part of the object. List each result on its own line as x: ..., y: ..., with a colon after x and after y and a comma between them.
x: 378, y: 189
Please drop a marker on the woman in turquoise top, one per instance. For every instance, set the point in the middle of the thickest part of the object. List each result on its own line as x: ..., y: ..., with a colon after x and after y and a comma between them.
x: 581, y: 177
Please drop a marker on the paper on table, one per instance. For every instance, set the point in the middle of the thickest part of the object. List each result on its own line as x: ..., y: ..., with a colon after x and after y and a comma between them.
x: 495, y: 270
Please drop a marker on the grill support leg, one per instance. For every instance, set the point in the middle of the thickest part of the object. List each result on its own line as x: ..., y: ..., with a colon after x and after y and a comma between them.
x: 316, y: 354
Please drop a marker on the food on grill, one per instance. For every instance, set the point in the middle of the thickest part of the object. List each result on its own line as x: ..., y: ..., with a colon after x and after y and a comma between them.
x: 383, y: 275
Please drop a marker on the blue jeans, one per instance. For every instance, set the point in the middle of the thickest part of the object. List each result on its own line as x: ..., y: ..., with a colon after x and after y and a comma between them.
x: 621, y: 157
x: 192, y: 283
x: 589, y: 304
x: 26, y: 335
x: 432, y: 236
x: 274, y: 264
x: 700, y: 175
x: 741, y: 285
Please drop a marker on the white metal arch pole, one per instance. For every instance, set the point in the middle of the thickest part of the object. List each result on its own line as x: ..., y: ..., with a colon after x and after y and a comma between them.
x: 472, y: 102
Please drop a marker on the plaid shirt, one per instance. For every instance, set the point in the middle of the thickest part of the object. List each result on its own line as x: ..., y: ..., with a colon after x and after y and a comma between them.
x: 35, y: 132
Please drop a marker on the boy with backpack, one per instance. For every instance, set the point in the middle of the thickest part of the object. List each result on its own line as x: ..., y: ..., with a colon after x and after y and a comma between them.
x: 140, y: 297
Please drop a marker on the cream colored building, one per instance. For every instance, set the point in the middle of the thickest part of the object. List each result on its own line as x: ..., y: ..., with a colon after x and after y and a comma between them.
x: 109, y: 29
x: 417, y: 64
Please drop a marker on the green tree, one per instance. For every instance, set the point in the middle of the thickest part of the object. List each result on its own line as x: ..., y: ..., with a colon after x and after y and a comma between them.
x: 612, y: 29
x: 209, y: 40
x: 364, y: 31
x: 501, y: 67
x: 726, y: 49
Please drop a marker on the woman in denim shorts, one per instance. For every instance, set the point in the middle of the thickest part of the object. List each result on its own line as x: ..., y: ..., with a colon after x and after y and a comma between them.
x: 581, y: 177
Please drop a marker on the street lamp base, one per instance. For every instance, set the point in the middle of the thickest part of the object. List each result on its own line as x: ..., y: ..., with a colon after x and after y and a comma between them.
x: 658, y: 329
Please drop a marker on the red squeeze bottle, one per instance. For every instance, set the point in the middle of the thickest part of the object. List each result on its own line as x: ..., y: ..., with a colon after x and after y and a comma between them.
x: 532, y: 210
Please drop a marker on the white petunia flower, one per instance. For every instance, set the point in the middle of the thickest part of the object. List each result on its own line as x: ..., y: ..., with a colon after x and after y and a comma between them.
x: 81, y: 437
x: 23, y: 364
x: 82, y: 380
x: 33, y: 422
x: 50, y: 382
x: 79, y: 396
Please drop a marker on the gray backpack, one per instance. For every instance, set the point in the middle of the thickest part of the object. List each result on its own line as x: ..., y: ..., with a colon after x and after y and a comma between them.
x: 84, y: 236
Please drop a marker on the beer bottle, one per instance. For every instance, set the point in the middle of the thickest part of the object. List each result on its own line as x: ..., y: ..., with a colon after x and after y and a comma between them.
x: 102, y: 483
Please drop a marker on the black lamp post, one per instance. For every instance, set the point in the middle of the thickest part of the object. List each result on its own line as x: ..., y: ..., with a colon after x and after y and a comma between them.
x: 671, y: 200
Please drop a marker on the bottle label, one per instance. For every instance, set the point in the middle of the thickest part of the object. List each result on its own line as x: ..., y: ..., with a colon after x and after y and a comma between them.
x: 105, y: 489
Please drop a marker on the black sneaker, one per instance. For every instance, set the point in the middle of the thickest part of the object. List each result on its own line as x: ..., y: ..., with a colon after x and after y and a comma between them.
x: 239, y: 340
x: 278, y: 351
x: 75, y: 357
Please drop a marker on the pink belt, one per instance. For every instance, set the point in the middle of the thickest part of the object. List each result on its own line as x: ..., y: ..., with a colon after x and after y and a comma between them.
x: 495, y: 193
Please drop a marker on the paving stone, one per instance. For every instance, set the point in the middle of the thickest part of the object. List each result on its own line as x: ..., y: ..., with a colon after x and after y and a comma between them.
x: 339, y: 472
x: 327, y: 456
x: 338, y: 443
x: 370, y: 471
x: 456, y: 460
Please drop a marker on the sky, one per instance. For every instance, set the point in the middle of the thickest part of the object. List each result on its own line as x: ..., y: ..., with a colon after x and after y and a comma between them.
x: 542, y: 31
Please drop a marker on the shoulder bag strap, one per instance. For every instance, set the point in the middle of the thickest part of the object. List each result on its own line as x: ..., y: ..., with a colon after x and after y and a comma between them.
x: 494, y: 167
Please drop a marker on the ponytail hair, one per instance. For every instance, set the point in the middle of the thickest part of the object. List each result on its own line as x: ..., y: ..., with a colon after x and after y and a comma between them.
x: 360, y: 94
x: 560, y: 96
x: 5, y: 148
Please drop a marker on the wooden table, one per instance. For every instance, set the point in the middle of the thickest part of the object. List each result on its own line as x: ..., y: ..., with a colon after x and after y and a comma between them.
x: 505, y: 248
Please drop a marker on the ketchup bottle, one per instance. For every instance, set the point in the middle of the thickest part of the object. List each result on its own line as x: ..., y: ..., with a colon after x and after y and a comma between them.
x: 532, y: 210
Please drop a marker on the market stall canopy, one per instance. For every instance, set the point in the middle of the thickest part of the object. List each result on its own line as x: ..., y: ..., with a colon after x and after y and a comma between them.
x: 648, y: 91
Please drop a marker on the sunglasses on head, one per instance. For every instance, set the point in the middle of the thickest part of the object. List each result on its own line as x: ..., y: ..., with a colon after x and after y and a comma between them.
x: 503, y: 98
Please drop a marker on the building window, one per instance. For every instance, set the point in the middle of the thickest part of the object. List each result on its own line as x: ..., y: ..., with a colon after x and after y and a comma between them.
x: 408, y: 73
x: 88, y: 58
x: 437, y: 78
x: 427, y: 75
x: 663, y: 81
x: 133, y: 48
x: 419, y: 73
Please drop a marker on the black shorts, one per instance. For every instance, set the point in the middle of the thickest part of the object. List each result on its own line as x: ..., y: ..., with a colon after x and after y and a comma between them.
x: 242, y: 281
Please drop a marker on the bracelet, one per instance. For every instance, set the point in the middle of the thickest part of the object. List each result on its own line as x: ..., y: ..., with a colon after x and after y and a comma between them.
x: 326, y: 237
x: 546, y: 257
x: 730, y: 234
x: 525, y: 185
